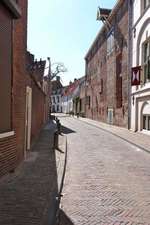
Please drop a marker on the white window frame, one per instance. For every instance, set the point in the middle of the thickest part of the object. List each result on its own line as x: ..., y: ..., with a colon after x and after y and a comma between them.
x: 146, y: 60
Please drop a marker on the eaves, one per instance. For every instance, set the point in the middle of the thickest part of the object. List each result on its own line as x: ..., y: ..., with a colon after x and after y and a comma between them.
x: 110, y: 18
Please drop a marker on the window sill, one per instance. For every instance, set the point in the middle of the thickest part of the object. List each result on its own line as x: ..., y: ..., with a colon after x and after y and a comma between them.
x: 7, y: 134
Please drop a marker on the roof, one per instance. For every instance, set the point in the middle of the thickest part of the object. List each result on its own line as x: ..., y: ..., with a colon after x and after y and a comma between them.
x: 35, y: 67
x: 70, y: 88
x: 111, y: 15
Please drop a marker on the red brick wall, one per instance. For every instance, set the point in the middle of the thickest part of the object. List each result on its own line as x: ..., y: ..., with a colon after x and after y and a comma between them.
x: 19, y: 76
x: 8, y: 154
x: 39, y: 109
x: 38, y: 99
x: 101, y: 66
x: 97, y: 85
x: 12, y: 148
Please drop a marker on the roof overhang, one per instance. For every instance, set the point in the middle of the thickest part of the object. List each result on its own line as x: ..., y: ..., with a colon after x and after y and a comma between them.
x: 13, y: 8
x: 110, y: 17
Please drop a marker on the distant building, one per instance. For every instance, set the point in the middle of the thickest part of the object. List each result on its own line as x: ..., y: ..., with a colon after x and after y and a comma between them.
x: 56, y: 96
x: 69, y: 93
x: 140, y: 94
x: 79, y: 98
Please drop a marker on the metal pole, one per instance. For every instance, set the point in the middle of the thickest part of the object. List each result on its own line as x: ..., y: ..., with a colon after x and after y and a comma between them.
x: 129, y: 59
x: 49, y: 84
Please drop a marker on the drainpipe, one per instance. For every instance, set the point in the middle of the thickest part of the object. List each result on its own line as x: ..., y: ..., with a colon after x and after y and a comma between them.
x: 85, y: 88
x: 129, y: 59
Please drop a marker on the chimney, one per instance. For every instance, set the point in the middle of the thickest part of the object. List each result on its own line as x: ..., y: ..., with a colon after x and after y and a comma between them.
x: 58, y: 78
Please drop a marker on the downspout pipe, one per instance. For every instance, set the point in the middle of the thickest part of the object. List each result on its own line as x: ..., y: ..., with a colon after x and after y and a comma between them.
x: 129, y: 59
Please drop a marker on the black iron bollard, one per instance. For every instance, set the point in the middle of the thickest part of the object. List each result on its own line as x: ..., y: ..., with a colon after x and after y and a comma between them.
x: 56, y: 139
x: 58, y: 126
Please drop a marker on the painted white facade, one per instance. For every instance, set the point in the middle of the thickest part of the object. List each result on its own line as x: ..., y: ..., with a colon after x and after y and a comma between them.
x: 140, y: 95
x: 67, y: 104
x: 56, y: 102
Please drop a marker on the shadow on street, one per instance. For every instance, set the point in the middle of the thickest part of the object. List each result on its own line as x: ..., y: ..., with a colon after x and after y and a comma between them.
x: 66, y: 130
x: 30, y: 195
x: 64, y: 219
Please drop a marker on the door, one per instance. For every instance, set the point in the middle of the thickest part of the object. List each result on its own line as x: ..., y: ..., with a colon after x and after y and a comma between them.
x: 28, y: 118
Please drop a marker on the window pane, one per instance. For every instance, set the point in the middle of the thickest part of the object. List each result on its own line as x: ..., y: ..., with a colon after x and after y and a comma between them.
x: 144, y: 122
x: 145, y: 51
x: 148, y: 122
x: 148, y: 75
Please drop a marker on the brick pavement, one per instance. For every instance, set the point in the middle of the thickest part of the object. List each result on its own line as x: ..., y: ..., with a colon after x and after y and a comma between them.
x: 137, y: 138
x: 29, y: 195
x: 107, y: 180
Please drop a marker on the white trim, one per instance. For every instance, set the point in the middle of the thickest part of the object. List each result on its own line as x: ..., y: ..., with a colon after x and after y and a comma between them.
x: 145, y: 132
x: 7, y: 134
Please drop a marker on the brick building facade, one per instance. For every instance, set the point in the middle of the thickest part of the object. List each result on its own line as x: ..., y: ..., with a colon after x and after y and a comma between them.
x: 9, y: 156
x: 36, y: 87
x: 23, y: 90
x: 107, y: 75
x: 19, y: 78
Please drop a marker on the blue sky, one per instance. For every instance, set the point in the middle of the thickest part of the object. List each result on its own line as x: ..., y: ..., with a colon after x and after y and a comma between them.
x: 64, y: 30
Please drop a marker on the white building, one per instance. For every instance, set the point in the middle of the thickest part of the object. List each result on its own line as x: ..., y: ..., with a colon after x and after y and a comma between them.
x: 56, y: 95
x: 67, y: 97
x: 67, y: 104
x: 56, y: 101
x: 140, y: 95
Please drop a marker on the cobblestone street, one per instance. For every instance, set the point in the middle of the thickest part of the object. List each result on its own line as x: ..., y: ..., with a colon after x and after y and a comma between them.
x: 107, y: 180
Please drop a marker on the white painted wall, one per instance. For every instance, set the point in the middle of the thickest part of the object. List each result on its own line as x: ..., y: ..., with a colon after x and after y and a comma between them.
x: 55, y: 102
x: 142, y: 92
x: 67, y: 104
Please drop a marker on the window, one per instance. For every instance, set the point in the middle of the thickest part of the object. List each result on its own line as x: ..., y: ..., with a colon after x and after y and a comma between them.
x: 146, y: 122
x: 118, y: 81
x: 110, y: 42
x: 58, y: 99
x: 88, y: 101
x: 110, y: 115
x: 5, y: 69
x: 54, y: 100
x: 144, y: 4
x: 101, y: 86
x: 146, y: 61
x: 57, y: 108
